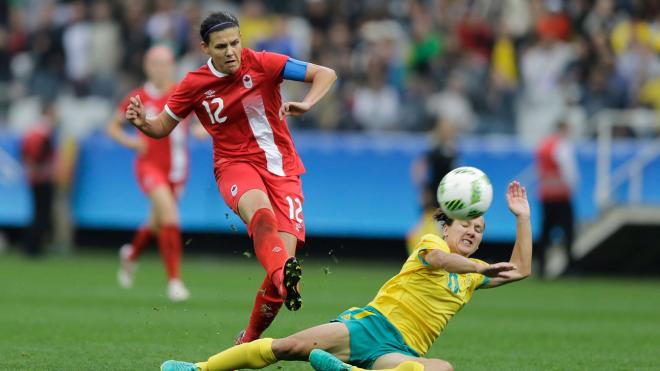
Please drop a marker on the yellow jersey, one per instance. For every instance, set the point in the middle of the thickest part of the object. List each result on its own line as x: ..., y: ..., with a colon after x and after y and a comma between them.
x: 419, y: 300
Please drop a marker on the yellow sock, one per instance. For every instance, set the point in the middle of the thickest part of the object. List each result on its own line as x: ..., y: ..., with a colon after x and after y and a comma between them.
x: 405, y: 366
x: 255, y: 354
x: 410, y: 366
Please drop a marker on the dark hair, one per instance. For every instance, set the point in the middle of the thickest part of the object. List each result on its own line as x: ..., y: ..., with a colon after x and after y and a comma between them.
x: 442, y: 218
x: 217, y: 22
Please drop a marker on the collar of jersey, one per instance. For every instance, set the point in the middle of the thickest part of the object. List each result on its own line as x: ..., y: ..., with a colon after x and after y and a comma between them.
x: 212, y: 68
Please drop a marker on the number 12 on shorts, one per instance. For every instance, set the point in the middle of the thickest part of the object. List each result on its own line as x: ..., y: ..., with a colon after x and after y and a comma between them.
x: 295, y: 208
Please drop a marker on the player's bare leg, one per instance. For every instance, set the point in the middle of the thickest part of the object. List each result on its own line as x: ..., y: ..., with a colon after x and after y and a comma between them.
x: 129, y: 253
x: 169, y: 239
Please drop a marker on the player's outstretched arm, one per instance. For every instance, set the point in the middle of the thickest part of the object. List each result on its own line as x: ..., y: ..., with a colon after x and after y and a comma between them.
x: 521, y: 257
x: 157, y: 127
x: 115, y: 132
x: 321, y: 79
x: 454, y: 263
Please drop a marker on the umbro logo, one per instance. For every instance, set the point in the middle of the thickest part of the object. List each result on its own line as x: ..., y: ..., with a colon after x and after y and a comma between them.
x: 277, y: 249
x: 209, y: 93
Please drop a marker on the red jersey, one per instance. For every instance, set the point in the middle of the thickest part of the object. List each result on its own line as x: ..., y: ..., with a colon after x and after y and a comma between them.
x: 241, y: 112
x: 168, y: 154
x: 552, y: 186
x: 38, y: 154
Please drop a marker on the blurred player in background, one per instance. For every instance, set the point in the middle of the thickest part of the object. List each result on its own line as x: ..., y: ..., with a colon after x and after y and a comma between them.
x: 39, y: 161
x: 407, y: 315
x: 236, y: 97
x: 161, y: 168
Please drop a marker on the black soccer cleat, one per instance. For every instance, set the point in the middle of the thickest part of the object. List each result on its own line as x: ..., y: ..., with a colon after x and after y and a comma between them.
x: 292, y: 274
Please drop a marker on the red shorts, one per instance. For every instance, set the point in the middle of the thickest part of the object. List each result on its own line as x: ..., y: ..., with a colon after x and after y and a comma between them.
x: 150, y: 177
x: 284, y: 192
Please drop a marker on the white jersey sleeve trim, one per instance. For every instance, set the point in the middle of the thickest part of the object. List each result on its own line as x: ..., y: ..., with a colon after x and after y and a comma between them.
x: 169, y: 112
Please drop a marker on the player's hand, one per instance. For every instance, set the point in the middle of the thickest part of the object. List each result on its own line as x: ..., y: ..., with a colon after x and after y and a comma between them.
x: 497, y: 269
x: 516, y: 198
x: 294, y: 109
x: 135, y: 113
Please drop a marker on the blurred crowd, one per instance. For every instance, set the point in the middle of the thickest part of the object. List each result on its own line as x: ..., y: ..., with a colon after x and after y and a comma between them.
x: 480, y: 66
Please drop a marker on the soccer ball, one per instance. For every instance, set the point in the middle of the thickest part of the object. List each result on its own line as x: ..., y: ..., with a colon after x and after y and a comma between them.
x: 465, y: 193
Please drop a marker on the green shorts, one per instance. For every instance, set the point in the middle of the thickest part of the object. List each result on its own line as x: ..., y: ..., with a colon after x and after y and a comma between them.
x: 371, y: 336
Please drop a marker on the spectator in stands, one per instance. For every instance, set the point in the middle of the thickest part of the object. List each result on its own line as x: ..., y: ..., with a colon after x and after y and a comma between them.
x: 77, y: 42
x: 376, y: 105
x: 279, y: 40
x: 542, y: 103
x: 5, y: 76
x: 511, y: 80
x: 167, y: 25
x: 452, y: 105
x: 503, y: 81
x: 38, y: 156
x: 558, y: 178
x: 47, y: 53
x: 104, y: 41
x: 603, y: 90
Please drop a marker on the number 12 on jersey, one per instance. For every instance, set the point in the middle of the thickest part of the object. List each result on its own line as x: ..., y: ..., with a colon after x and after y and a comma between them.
x: 215, y: 116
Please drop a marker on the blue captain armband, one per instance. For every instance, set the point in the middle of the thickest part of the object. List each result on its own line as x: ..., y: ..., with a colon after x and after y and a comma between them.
x: 294, y: 70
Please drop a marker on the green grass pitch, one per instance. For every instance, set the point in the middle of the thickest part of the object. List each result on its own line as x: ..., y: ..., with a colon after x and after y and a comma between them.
x: 69, y: 314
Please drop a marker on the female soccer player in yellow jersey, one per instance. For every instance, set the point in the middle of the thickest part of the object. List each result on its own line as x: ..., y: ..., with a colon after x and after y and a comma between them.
x: 397, y: 328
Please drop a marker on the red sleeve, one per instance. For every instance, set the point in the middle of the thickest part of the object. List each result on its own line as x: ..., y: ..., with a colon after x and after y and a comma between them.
x: 273, y: 64
x: 181, y: 102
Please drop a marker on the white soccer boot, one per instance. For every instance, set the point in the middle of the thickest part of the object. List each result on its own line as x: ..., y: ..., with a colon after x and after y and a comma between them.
x: 177, y: 291
x: 126, y: 267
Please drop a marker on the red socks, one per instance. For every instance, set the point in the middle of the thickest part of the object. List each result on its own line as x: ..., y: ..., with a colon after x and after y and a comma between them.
x: 169, y: 241
x: 266, y: 305
x: 142, y: 238
x: 268, y: 246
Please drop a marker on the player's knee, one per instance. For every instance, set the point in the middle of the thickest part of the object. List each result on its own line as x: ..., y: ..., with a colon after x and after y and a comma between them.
x: 170, y: 217
x: 291, y: 348
x: 251, y: 201
x: 168, y: 214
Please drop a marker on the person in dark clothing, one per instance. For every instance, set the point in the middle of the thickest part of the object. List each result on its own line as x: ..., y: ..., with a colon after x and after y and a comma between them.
x: 558, y: 177
x: 428, y: 172
x: 38, y: 157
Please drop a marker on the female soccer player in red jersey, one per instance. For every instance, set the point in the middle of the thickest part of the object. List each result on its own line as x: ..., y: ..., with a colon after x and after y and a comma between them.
x: 161, y: 167
x: 236, y: 97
